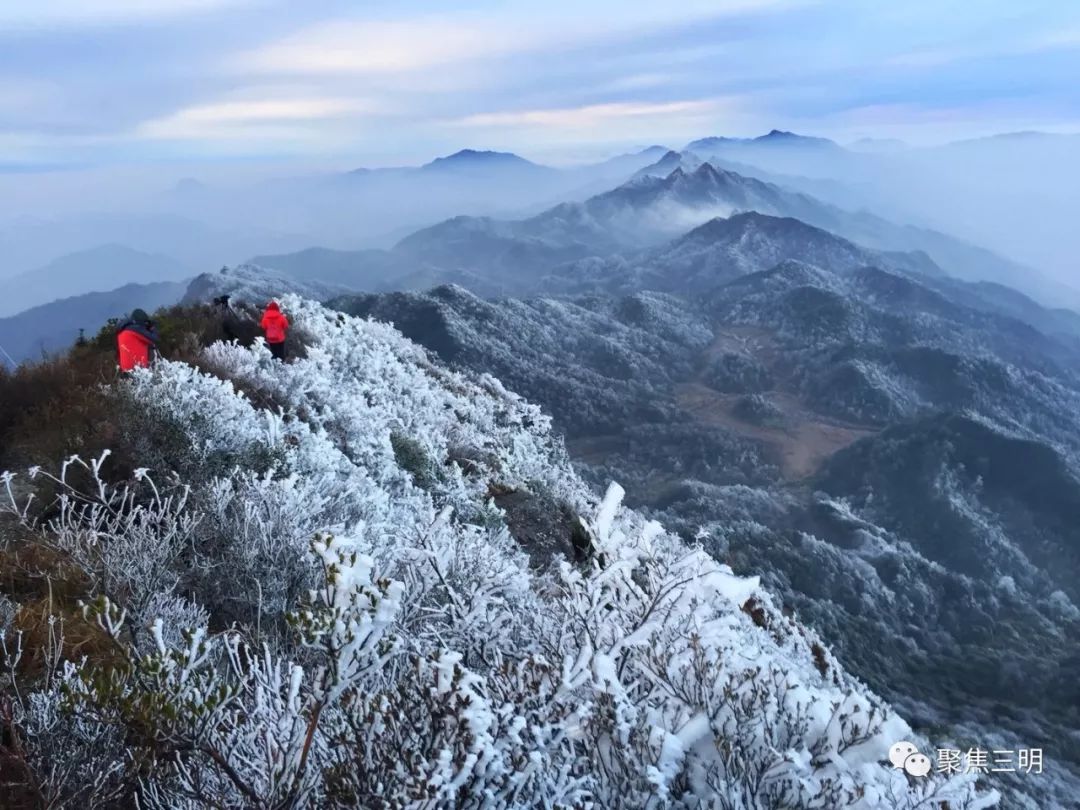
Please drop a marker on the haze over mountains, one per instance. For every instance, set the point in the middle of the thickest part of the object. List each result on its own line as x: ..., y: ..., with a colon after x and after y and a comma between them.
x: 98, y: 269
x: 644, y: 200
x: 1012, y: 195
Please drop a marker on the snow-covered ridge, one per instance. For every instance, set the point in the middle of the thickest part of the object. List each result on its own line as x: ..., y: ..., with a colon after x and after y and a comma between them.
x: 254, y: 283
x: 425, y: 662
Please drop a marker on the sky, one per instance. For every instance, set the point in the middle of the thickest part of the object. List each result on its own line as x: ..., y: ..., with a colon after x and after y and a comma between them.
x: 90, y: 83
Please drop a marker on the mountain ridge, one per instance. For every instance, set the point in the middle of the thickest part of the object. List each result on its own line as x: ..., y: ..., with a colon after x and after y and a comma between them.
x: 651, y: 208
x: 824, y: 425
x: 416, y: 532
x: 97, y: 269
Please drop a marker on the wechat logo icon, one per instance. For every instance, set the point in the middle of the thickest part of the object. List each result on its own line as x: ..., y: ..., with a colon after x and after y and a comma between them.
x: 905, y: 756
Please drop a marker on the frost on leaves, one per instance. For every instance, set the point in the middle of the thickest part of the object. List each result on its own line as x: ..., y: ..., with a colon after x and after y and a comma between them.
x: 303, y: 624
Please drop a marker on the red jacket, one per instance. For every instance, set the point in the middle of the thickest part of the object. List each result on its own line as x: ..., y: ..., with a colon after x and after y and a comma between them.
x: 134, y: 346
x: 274, y: 323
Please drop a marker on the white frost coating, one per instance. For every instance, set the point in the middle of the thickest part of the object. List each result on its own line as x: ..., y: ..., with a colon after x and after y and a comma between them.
x: 435, y: 661
x: 735, y: 589
x: 608, y: 508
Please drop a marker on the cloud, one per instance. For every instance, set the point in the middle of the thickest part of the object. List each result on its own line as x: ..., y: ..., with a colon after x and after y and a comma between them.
x: 1064, y: 39
x: 283, y: 118
x: 931, y: 58
x: 616, y: 126
x: 926, y: 124
x: 311, y: 77
x: 54, y: 13
x: 377, y: 46
x: 593, y: 114
x: 940, y: 57
x: 642, y: 81
x: 24, y: 94
x: 380, y: 47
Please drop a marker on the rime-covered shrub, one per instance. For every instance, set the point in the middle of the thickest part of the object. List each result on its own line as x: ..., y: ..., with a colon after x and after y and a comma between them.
x: 322, y: 631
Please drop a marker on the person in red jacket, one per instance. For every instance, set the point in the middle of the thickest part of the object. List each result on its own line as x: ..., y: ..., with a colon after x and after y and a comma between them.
x: 136, y: 342
x: 276, y: 326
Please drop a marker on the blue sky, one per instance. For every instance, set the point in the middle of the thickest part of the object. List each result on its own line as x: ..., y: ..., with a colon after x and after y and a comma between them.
x: 104, y: 82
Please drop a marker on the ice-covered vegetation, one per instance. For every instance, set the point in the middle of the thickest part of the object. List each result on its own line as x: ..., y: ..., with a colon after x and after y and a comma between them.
x: 962, y: 468
x: 306, y: 596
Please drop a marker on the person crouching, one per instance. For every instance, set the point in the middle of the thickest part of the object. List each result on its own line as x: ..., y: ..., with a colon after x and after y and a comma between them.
x: 136, y: 342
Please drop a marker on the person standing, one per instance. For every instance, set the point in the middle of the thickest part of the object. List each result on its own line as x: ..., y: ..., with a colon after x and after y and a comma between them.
x: 136, y: 342
x: 230, y: 324
x: 275, y: 326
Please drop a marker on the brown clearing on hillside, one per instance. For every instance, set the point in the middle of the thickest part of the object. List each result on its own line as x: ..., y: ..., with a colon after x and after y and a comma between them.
x: 806, y: 438
x: 800, y: 446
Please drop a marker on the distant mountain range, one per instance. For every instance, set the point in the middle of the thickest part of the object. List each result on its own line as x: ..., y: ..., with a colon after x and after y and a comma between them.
x: 622, y: 236
x: 646, y: 211
x: 472, y: 160
x: 54, y: 327
x: 659, y: 204
x: 479, y: 162
x: 465, y: 162
x: 775, y: 138
x: 201, y: 225
x: 785, y: 153
x: 1013, y: 194
x: 102, y: 268
x: 721, y: 251
x: 689, y: 220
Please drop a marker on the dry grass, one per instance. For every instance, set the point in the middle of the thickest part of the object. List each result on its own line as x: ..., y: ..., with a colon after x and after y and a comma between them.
x: 756, y: 612
x: 30, y: 570
x: 819, y: 659
x: 61, y: 406
x: 49, y: 410
x: 49, y: 591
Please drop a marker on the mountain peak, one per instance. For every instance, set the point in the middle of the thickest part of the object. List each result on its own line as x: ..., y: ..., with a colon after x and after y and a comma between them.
x: 655, y: 149
x: 780, y: 136
x: 480, y: 154
x: 473, y: 158
x: 773, y: 137
x: 669, y: 162
x: 712, y: 141
x: 749, y: 220
x: 706, y: 171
